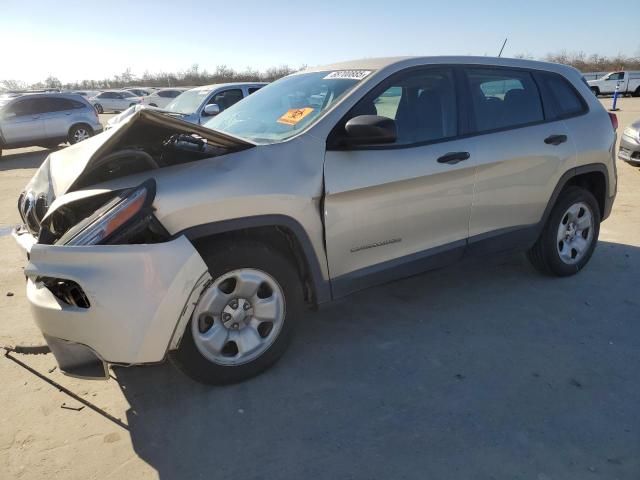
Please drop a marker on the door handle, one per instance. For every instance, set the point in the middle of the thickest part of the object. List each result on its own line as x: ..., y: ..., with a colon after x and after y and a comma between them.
x: 454, y: 157
x: 555, y: 139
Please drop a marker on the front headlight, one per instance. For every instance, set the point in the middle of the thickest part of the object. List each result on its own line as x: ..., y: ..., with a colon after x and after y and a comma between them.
x: 113, y: 216
x: 632, y: 133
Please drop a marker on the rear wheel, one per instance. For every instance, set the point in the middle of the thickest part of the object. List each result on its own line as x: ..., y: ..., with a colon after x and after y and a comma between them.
x: 244, y: 319
x: 637, y: 92
x: 99, y: 108
x: 78, y: 133
x: 570, y: 234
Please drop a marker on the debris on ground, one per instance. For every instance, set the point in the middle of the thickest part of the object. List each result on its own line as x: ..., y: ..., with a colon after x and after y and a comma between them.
x: 68, y: 406
x: 9, y: 294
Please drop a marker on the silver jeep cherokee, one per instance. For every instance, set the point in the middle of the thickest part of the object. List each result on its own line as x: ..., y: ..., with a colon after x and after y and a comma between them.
x: 163, y: 238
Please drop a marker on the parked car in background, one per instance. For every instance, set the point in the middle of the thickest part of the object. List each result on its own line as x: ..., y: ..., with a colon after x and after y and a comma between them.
x: 162, y: 98
x: 138, y: 92
x: 199, y: 104
x: 630, y: 144
x: 46, y: 120
x: 627, y: 83
x: 113, y: 101
x: 204, y: 243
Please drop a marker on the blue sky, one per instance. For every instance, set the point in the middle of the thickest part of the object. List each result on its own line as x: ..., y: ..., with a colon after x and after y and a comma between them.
x: 74, y: 40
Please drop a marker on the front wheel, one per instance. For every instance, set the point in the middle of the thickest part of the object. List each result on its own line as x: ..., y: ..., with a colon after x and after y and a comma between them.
x: 244, y: 318
x: 570, y: 234
x: 595, y: 90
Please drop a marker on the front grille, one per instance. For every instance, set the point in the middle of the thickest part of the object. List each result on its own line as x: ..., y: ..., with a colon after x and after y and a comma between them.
x: 32, y: 210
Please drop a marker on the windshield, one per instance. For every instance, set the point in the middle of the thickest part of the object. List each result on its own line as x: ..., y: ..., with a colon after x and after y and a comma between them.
x: 187, y: 102
x: 283, y: 108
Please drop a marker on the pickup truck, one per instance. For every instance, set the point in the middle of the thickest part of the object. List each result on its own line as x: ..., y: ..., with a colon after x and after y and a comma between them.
x: 627, y: 82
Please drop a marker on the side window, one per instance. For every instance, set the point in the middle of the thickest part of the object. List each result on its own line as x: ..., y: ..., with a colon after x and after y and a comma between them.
x: 40, y: 105
x: 253, y: 89
x: 19, y: 109
x: 169, y: 93
x: 560, y: 99
x: 227, y: 98
x: 58, y: 104
x: 616, y: 76
x: 502, y: 98
x: 422, y: 102
x: 77, y: 104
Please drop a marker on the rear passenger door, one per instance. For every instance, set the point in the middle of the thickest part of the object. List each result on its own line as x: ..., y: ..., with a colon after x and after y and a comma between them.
x: 520, y: 152
x: 56, y: 117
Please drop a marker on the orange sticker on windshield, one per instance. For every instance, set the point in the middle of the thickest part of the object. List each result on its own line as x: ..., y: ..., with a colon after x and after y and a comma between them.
x: 294, y: 115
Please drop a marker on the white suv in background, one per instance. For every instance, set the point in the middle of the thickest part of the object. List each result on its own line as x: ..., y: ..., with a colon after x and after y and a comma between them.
x: 163, y: 97
x: 114, y: 101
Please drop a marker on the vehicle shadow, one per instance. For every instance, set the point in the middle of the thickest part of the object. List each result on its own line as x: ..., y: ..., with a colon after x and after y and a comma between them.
x: 482, y: 370
x: 21, y: 159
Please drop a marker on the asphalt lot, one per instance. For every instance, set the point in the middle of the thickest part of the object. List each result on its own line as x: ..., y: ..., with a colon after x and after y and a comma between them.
x: 485, y: 370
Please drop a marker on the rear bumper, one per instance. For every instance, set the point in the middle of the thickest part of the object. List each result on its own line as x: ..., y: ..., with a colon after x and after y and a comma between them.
x: 139, y: 299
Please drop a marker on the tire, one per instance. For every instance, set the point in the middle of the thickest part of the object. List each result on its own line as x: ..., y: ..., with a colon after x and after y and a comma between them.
x: 220, y: 359
x: 562, y: 253
x: 637, y: 92
x: 78, y: 133
x: 595, y: 90
x: 99, y: 108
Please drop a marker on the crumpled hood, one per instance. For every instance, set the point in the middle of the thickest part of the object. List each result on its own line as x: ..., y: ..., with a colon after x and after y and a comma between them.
x: 64, y: 167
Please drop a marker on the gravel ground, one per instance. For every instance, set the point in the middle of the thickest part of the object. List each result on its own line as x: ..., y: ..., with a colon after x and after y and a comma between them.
x: 485, y: 370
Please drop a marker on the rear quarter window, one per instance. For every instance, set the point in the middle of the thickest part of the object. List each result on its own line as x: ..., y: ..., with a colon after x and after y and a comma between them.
x: 560, y: 98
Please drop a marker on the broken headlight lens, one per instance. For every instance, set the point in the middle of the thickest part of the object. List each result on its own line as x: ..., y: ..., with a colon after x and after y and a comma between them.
x: 119, y: 212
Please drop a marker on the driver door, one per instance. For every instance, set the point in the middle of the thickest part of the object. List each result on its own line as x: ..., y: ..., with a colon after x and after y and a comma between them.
x: 610, y: 83
x: 396, y: 210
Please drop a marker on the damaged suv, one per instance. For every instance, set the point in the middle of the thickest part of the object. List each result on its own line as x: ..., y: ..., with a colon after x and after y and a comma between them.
x: 205, y: 243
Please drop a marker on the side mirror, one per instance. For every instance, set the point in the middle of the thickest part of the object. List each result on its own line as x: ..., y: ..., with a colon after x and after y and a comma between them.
x: 211, y: 109
x: 370, y: 130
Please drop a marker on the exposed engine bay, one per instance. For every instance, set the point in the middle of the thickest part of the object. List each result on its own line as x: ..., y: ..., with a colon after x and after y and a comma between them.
x: 147, y: 141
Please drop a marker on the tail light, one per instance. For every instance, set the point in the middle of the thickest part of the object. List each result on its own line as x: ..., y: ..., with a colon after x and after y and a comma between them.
x: 614, y: 120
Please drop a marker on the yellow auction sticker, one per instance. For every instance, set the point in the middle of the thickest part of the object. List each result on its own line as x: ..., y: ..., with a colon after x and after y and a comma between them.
x: 294, y: 115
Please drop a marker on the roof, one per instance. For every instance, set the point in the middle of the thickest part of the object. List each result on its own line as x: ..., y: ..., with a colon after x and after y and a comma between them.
x: 228, y: 84
x: 383, y: 62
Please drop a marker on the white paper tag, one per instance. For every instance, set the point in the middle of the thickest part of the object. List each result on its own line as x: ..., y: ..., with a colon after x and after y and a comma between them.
x: 348, y: 75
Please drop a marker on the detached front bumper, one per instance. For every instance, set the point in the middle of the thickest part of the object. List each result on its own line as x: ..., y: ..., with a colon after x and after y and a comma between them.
x: 138, y: 300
